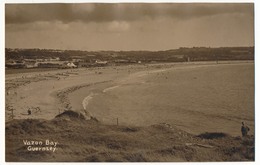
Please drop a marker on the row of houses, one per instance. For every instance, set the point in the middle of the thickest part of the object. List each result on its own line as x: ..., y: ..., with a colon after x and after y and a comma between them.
x: 55, y: 59
x: 53, y: 64
x: 56, y: 63
x: 44, y: 64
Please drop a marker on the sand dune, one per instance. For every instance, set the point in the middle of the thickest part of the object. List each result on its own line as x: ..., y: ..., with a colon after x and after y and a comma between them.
x: 80, y: 140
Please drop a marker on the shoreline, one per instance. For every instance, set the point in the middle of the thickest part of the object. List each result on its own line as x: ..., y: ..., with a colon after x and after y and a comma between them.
x: 140, y: 75
x: 74, y: 82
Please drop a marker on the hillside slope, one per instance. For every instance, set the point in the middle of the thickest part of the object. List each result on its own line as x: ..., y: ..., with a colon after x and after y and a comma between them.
x: 80, y: 140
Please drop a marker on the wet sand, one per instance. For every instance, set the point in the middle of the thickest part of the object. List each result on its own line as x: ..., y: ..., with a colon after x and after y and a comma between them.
x: 194, y: 97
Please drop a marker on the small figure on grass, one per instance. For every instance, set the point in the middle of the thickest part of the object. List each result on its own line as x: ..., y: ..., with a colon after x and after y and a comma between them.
x: 29, y: 112
x: 244, y: 130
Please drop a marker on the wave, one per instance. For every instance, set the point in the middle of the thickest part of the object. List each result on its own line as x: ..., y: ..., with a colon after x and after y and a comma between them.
x: 86, y: 100
x: 110, y: 88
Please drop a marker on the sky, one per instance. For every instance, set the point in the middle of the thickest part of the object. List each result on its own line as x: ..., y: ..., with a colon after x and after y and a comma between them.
x: 128, y: 26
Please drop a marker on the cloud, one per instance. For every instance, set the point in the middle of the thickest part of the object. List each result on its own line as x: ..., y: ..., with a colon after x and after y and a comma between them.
x: 82, y: 8
x: 117, y: 26
x: 38, y: 26
x: 97, y: 12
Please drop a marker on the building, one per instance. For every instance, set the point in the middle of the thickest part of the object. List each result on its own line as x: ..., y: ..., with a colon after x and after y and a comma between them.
x: 31, y: 65
x: 101, y: 63
x: 15, y: 64
x: 68, y: 65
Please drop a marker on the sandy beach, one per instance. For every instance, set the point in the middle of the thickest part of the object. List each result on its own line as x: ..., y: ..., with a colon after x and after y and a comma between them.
x: 195, y: 97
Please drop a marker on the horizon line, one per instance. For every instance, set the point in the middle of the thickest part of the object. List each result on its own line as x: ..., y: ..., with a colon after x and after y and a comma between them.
x: 134, y: 50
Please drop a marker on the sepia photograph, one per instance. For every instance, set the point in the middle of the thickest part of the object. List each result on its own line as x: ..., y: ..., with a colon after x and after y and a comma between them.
x: 129, y: 82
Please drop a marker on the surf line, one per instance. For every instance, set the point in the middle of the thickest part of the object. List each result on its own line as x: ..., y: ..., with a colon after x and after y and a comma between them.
x: 87, y: 99
x: 85, y: 103
x: 110, y: 88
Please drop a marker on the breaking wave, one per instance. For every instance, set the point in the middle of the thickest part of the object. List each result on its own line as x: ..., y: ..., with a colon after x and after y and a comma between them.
x: 86, y: 100
x: 110, y: 88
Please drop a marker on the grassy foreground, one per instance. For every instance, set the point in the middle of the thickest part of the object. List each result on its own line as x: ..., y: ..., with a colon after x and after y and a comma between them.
x: 81, y: 140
